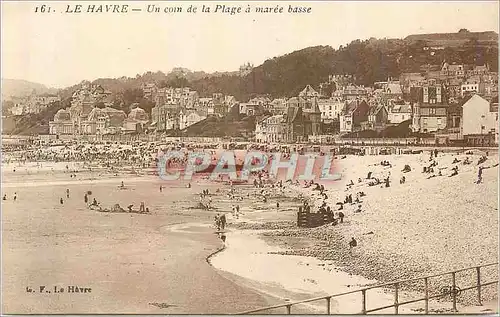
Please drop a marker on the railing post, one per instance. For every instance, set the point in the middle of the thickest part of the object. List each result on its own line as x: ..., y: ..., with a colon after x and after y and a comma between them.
x: 363, y: 299
x: 426, y: 282
x: 328, y: 300
x: 453, y: 291
x: 288, y: 309
x: 478, y: 272
x: 396, y: 299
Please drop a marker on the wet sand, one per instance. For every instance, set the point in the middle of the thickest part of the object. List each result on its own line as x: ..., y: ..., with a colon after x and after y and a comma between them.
x: 133, y: 263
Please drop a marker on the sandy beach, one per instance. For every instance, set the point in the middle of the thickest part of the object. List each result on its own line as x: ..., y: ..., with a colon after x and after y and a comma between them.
x: 425, y: 226
x: 170, y: 261
x: 133, y: 263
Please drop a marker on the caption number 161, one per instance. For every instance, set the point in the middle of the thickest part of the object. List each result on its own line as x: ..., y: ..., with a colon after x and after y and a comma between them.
x: 42, y: 9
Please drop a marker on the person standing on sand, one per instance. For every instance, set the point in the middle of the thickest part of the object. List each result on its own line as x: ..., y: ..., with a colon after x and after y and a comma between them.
x: 217, y: 221
x: 15, y: 196
x: 61, y: 201
x: 341, y: 216
x: 277, y: 206
x: 480, y: 173
x: 4, y: 197
x: 67, y: 192
x: 86, y: 198
x: 161, y: 188
x: 223, y: 221
x: 223, y: 238
x: 353, y: 243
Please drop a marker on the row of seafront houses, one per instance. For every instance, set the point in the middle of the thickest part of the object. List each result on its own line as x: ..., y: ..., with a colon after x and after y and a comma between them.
x: 429, y: 102
x: 472, y: 122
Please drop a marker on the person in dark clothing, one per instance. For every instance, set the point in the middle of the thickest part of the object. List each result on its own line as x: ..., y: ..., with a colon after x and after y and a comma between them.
x: 4, y: 197
x: 223, y: 221
x: 455, y: 171
x: 480, y: 173
x: 353, y: 243
x: 67, y: 192
x: 223, y: 238
x: 403, y: 180
x: 15, y: 196
x: 61, y: 201
x: 86, y: 198
x: 341, y: 216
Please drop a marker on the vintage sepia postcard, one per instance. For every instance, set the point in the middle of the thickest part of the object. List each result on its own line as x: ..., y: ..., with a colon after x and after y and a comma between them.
x: 272, y: 157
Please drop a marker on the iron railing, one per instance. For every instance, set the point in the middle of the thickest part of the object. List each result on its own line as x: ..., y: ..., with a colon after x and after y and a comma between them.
x: 396, y: 285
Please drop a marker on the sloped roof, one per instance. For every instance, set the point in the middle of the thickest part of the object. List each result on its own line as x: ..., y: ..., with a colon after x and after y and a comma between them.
x: 292, y: 113
x: 473, y: 99
x: 374, y: 110
x: 401, y: 109
x: 394, y: 88
x: 62, y: 115
x: 138, y: 114
x: 308, y: 91
x: 316, y: 108
x: 481, y: 68
x: 350, y: 107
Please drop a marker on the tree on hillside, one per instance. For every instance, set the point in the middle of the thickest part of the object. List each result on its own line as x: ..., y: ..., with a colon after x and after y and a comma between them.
x: 6, y: 106
x: 177, y: 82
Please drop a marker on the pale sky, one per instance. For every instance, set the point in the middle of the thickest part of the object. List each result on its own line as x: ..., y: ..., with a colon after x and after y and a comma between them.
x: 60, y: 49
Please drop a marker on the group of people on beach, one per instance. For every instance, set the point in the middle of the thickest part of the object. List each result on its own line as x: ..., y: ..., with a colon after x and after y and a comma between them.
x: 14, y: 197
x: 220, y: 221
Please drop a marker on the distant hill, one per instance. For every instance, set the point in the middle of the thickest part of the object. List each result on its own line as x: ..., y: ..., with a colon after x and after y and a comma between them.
x: 454, y: 39
x: 32, y: 124
x: 369, y: 61
x: 16, y: 88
